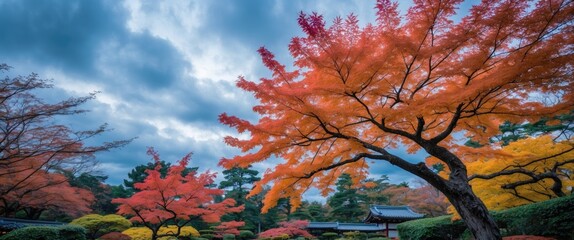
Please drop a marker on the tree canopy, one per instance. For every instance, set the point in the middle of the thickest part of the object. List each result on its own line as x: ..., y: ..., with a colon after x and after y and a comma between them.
x: 174, y: 199
x: 420, y: 80
x: 35, y: 149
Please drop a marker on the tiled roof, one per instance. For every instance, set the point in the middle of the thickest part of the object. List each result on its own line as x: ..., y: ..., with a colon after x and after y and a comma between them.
x: 323, y: 225
x: 360, y: 227
x: 345, y: 226
x: 400, y: 212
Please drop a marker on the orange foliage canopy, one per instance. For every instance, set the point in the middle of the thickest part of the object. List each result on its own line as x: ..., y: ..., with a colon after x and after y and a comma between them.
x: 411, y: 80
x: 174, y: 199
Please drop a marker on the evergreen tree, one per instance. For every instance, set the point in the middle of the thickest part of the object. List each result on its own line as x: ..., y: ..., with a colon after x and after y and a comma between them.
x: 347, y: 203
x: 237, y: 183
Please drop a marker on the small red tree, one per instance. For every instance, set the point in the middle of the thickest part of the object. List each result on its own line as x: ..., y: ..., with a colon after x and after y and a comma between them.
x: 175, y: 199
x: 291, y: 228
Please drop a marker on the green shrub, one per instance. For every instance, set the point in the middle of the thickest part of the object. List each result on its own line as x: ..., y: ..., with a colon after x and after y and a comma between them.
x: 205, y: 231
x: 246, y: 234
x: 431, y: 228
x: 552, y: 218
x: 33, y: 233
x: 228, y: 237
x: 376, y: 235
x: 329, y: 235
x: 47, y: 233
x: 362, y: 236
x: 70, y: 232
x: 207, y: 235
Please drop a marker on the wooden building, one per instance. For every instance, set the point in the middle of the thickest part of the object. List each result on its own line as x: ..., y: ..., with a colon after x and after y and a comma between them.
x: 389, y: 216
x: 382, y: 219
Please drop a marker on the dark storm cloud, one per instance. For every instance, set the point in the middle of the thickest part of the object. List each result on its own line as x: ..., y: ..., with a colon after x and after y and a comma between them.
x: 64, y: 34
x: 146, y: 61
x: 142, y: 61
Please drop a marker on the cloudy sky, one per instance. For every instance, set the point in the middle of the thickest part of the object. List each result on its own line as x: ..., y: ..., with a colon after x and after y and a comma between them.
x: 164, y: 69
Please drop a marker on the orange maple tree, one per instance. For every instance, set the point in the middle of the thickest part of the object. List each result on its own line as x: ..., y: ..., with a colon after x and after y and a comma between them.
x: 34, y: 148
x: 176, y: 199
x: 419, y: 80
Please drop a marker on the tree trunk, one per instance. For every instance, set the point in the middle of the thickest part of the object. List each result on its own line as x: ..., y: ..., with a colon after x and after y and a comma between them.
x: 472, y: 210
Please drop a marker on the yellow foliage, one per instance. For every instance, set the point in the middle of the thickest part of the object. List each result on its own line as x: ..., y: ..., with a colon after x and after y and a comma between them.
x: 535, y: 155
x: 143, y: 233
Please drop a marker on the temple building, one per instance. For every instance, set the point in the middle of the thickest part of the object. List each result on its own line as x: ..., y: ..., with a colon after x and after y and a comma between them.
x: 382, y: 219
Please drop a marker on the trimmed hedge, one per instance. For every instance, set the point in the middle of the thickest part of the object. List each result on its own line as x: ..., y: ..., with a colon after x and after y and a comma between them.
x: 431, y: 228
x: 552, y: 218
x: 47, y: 233
x: 246, y: 234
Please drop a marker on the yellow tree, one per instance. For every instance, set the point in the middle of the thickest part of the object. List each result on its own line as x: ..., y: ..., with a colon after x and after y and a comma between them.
x: 525, y: 171
x: 418, y: 80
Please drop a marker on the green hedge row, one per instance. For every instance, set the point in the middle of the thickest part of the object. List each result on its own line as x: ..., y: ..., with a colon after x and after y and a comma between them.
x: 67, y: 232
x: 552, y: 218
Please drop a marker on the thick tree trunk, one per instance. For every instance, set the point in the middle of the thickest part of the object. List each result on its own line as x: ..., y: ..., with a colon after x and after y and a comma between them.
x: 460, y: 194
x: 475, y: 214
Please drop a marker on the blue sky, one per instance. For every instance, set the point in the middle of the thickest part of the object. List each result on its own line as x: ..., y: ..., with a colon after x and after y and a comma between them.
x: 164, y: 69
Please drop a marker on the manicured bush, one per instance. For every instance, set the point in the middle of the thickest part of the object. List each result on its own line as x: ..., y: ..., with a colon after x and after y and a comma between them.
x: 115, y: 236
x: 47, y: 233
x: 228, y: 237
x: 376, y: 235
x: 246, y: 234
x: 98, y: 225
x: 552, y: 218
x: 33, y: 233
x: 208, y: 235
x: 431, y: 228
x: 205, y: 231
x: 143, y: 233
x: 70, y: 232
x: 329, y: 235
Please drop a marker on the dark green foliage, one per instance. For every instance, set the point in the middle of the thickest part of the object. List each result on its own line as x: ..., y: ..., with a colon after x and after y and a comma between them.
x: 238, y: 183
x: 552, y: 218
x: 347, y: 203
x: 95, y: 184
x: 511, y: 132
x: 47, y: 233
x: 33, y: 233
x: 228, y: 237
x: 246, y: 234
x: 329, y: 236
x: 431, y: 228
x: 70, y: 232
x: 317, y: 211
x: 376, y: 235
x: 208, y: 236
x: 205, y: 231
